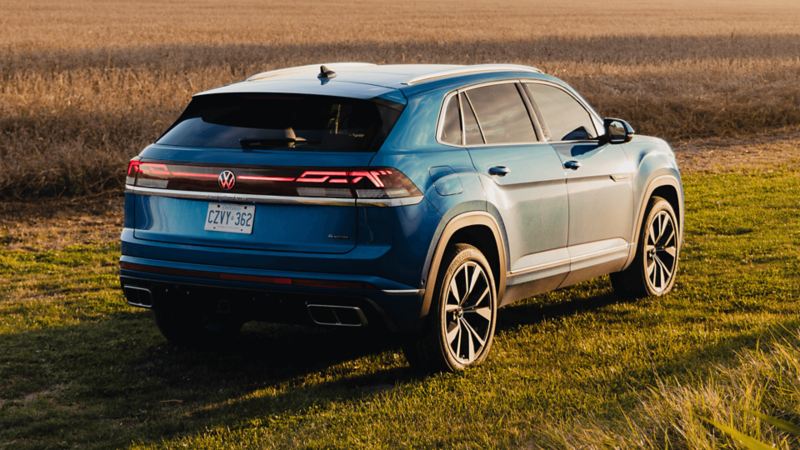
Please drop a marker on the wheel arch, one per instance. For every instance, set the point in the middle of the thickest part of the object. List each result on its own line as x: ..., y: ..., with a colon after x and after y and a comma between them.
x: 669, y: 187
x: 477, y: 228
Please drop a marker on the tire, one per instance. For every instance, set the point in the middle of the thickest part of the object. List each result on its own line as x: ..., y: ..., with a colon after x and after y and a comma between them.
x: 192, y: 324
x: 654, y: 269
x: 459, y: 329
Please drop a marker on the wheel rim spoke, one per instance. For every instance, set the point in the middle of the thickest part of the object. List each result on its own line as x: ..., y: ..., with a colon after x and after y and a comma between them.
x: 458, y: 338
x: 473, y: 333
x: 452, y: 334
x: 470, y: 343
x: 480, y: 299
x: 664, y: 267
x: 454, y: 290
x: 485, y: 312
x: 466, y: 285
x: 669, y: 237
x: 475, y: 275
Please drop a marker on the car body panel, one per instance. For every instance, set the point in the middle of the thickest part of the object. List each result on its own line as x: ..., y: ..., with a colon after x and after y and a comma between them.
x: 531, y: 199
x: 551, y: 226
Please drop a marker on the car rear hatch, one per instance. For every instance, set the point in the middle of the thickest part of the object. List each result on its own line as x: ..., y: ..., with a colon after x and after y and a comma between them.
x: 278, y: 172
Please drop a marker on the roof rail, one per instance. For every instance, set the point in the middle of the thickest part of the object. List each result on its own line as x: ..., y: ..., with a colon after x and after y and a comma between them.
x: 300, y: 69
x: 468, y: 70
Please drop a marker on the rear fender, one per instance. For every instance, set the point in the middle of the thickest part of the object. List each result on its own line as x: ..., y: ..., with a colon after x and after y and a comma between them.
x: 459, y: 222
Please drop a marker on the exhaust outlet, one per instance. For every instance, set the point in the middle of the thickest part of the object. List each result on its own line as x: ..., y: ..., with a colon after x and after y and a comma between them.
x: 337, y: 316
x: 138, y: 296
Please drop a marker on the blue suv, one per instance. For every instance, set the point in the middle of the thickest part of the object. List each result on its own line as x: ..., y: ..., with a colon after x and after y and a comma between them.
x: 415, y: 198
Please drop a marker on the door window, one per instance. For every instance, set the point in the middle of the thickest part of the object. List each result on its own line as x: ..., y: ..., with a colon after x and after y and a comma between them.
x: 502, y: 114
x: 563, y: 118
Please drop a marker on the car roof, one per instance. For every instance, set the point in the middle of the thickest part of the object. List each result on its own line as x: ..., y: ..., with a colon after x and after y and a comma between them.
x: 365, y: 80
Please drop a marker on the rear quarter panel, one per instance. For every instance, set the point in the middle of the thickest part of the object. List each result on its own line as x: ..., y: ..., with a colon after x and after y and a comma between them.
x: 444, y: 174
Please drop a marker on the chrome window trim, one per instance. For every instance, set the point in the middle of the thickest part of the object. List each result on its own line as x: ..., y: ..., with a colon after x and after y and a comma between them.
x: 461, y: 117
x: 477, y: 119
x: 442, y: 111
x: 273, y: 199
x: 578, y: 141
x: 595, y: 118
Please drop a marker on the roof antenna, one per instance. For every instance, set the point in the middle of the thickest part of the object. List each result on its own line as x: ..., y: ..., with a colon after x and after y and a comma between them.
x: 325, y: 73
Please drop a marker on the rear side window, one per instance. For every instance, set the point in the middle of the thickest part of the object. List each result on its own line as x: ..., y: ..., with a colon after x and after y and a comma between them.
x: 451, y: 128
x: 283, y: 121
x: 564, y: 119
x: 502, y: 114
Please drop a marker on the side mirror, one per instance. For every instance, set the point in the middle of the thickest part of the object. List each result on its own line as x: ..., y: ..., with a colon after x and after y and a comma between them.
x: 618, y: 131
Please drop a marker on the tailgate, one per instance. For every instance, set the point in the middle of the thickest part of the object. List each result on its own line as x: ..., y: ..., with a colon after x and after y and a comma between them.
x: 182, y: 202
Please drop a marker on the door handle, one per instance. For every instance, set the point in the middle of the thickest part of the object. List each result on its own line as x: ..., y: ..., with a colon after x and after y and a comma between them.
x: 499, y: 171
x: 572, y: 164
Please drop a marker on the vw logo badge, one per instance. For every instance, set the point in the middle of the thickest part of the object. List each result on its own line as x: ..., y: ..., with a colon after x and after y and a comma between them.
x: 226, y: 180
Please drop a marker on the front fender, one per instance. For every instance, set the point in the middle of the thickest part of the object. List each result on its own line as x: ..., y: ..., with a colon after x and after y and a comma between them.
x: 657, y: 168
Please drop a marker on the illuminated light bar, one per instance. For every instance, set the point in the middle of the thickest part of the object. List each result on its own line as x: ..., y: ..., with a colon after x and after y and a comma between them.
x: 278, y: 281
x: 192, y: 175
x: 343, y: 177
x: 368, y: 183
x: 258, y: 178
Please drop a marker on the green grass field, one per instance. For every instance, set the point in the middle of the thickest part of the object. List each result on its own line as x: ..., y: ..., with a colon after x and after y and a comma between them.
x: 577, y: 367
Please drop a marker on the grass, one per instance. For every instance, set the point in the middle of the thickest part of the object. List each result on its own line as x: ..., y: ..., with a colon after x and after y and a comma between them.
x: 574, y: 368
x: 85, y: 85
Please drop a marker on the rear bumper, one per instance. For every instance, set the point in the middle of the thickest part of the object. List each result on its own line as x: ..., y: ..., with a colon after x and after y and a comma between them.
x: 274, y: 295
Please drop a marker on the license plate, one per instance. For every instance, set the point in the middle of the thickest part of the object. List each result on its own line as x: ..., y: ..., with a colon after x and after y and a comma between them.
x: 230, y: 218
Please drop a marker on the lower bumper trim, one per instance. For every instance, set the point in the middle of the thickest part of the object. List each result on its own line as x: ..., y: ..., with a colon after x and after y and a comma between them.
x: 419, y: 292
x: 275, y: 281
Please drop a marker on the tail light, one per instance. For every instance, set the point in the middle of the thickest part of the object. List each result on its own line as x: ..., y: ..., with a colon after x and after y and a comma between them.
x: 364, y: 183
x: 133, y: 170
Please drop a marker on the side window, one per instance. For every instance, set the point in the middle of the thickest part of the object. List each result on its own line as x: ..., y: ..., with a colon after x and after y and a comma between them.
x: 451, y: 128
x: 564, y: 119
x: 502, y: 114
x: 472, y: 132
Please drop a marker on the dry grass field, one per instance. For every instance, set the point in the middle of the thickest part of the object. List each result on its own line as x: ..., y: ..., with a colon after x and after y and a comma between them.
x: 84, y: 85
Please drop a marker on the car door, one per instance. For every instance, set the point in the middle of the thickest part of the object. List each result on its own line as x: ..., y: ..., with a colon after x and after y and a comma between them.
x: 599, y: 181
x: 522, y: 178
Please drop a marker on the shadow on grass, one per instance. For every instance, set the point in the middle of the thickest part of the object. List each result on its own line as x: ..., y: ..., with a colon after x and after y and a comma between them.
x: 111, y: 382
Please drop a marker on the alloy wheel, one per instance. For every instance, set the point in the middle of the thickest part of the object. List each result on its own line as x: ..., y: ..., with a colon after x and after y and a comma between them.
x: 661, y: 251
x: 468, y: 312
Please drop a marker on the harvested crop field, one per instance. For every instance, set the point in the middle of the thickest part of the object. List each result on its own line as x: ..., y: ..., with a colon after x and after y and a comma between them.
x: 85, y: 85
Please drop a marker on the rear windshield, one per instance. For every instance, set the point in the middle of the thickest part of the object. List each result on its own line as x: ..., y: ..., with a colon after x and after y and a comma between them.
x: 283, y: 121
